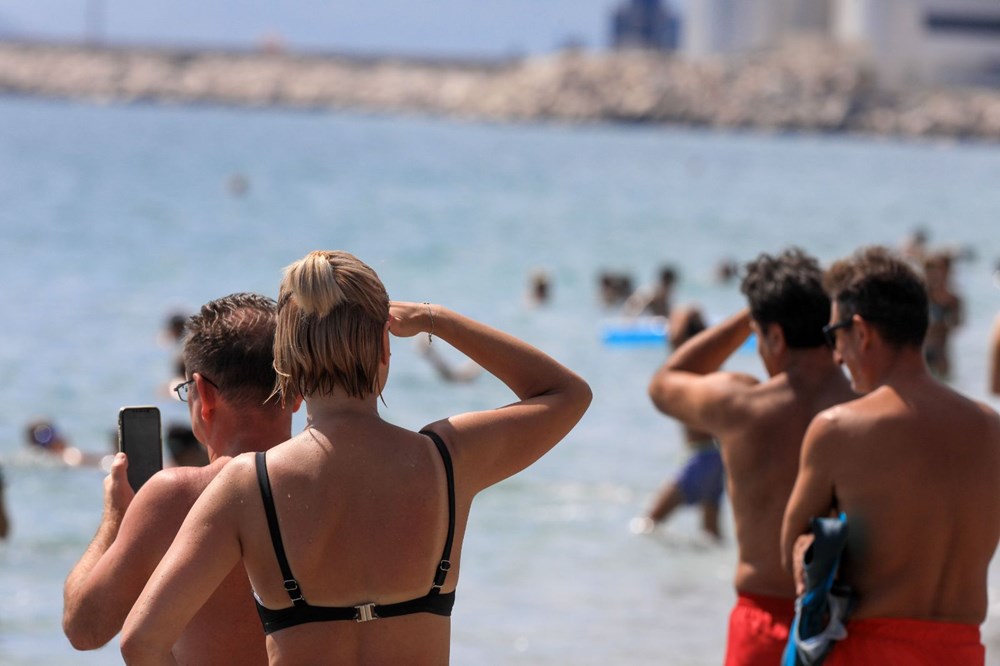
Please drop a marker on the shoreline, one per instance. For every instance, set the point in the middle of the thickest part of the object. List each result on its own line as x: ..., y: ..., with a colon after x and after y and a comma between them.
x: 802, y: 88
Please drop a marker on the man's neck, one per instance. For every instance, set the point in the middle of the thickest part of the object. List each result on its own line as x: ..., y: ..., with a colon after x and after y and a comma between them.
x: 899, y: 368
x: 247, y: 432
x: 810, y: 366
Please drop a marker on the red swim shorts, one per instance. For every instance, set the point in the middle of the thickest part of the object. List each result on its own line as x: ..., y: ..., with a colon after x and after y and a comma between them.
x: 758, y: 630
x: 904, y: 642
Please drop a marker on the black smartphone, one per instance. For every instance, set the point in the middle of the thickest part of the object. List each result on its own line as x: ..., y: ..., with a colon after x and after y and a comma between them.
x: 140, y: 439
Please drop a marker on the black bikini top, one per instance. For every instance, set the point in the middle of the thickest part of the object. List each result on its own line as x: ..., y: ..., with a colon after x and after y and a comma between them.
x: 302, y: 612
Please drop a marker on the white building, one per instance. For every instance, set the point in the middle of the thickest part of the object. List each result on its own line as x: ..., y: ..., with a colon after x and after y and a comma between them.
x: 908, y: 41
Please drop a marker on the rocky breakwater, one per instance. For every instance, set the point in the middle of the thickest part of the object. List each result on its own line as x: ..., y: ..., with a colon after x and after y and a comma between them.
x: 803, y: 87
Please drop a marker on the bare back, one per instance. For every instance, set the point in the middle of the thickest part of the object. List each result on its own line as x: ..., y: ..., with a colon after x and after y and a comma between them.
x: 917, y: 476
x: 363, y: 514
x: 226, y: 629
x: 760, y: 449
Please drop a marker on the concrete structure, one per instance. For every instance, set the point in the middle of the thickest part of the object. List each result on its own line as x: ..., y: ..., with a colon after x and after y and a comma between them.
x: 907, y: 41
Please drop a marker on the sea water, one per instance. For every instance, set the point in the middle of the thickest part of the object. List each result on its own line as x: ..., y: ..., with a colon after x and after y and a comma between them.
x: 114, y: 216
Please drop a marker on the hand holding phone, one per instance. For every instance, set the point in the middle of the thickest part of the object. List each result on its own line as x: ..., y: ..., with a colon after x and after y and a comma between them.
x: 139, y: 438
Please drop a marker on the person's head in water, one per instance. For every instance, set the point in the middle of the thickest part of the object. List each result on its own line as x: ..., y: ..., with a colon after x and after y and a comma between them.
x: 685, y: 323
x: 175, y: 325
x: 540, y: 287
x: 42, y: 434
x: 184, y: 448
x: 668, y: 277
x: 333, y: 314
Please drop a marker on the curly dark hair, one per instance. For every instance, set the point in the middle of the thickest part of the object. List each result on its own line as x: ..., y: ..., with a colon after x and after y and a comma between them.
x: 884, y: 290
x: 231, y: 342
x: 788, y: 290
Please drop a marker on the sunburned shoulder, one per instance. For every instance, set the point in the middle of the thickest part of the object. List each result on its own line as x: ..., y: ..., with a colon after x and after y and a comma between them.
x: 180, y: 479
x: 177, y: 485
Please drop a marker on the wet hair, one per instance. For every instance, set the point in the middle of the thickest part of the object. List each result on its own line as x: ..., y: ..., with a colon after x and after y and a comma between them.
x: 787, y: 290
x: 332, y: 310
x: 884, y: 290
x: 231, y: 341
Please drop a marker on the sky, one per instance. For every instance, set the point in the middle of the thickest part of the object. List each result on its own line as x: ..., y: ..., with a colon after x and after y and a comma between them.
x: 429, y: 27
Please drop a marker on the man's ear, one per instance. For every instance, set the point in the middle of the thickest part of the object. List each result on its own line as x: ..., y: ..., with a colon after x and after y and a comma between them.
x: 864, y: 330
x: 775, y: 338
x: 208, y: 396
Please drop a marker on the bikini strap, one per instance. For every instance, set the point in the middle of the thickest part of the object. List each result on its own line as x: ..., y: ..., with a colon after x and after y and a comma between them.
x: 445, y: 565
x: 291, y: 585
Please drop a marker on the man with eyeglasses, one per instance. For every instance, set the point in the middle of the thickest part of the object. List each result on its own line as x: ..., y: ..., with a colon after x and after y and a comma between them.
x: 913, y: 465
x: 759, y: 426
x: 228, y: 353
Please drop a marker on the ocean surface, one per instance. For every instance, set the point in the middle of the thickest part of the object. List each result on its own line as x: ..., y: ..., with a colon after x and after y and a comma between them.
x: 114, y: 216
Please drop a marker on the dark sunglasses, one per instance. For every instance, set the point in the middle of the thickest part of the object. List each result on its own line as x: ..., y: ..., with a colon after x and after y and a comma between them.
x: 830, y: 331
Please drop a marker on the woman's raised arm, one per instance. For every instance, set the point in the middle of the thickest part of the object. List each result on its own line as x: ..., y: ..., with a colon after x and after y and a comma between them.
x: 493, y: 445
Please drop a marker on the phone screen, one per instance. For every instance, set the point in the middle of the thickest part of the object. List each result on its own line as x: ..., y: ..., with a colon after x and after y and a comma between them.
x: 139, y: 438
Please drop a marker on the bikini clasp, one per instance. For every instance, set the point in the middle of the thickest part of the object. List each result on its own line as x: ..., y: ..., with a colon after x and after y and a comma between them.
x: 366, y: 612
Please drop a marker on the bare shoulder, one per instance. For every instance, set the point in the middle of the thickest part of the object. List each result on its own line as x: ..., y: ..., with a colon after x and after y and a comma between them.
x: 990, y: 417
x: 180, y: 487
x: 237, y: 475
x: 738, y: 380
x: 988, y: 412
x: 829, y: 425
x: 969, y: 410
x: 839, y: 424
x: 734, y: 387
x: 162, y: 503
x: 177, y: 486
x: 726, y: 397
x: 843, y: 414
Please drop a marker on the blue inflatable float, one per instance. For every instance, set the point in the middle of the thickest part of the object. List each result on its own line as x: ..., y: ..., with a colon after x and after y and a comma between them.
x: 647, y: 331
x: 635, y: 331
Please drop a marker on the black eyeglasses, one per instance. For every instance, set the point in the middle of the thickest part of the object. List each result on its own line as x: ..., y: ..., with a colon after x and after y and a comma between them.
x: 184, y: 388
x: 830, y: 331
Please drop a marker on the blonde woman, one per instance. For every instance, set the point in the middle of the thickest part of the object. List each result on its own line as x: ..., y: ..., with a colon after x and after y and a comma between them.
x: 351, y: 532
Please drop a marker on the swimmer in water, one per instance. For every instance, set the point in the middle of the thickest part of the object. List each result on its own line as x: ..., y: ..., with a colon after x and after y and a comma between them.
x: 42, y: 435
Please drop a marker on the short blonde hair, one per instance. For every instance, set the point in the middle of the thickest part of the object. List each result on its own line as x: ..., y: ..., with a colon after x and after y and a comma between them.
x: 332, y: 310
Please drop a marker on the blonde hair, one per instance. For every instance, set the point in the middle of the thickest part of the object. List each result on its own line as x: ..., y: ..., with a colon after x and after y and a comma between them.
x: 332, y: 310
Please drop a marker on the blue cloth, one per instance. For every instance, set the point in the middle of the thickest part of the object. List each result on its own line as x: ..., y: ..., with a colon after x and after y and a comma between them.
x: 820, y: 612
x: 702, y: 478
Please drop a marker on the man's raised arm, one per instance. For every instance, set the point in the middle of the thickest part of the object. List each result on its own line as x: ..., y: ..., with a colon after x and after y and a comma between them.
x: 689, y: 387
